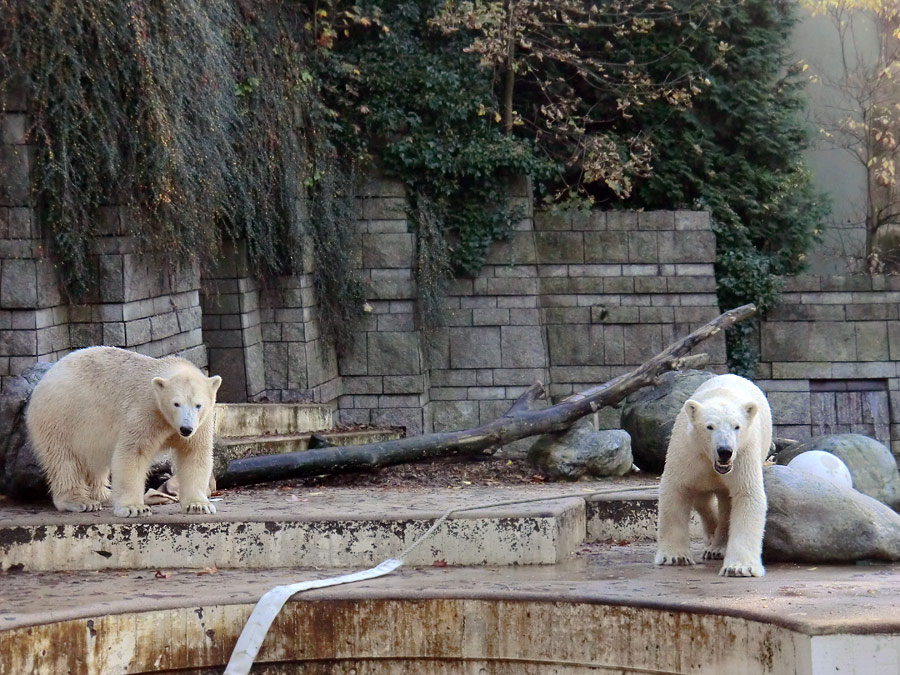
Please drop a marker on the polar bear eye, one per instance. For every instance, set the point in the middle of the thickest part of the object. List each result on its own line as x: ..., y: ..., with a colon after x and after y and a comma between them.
x: 177, y: 405
x: 198, y: 406
x: 710, y: 427
x: 737, y: 427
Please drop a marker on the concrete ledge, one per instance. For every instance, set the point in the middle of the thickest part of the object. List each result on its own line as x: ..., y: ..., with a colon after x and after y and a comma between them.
x: 265, y: 529
x: 607, y: 610
x: 252, y: 419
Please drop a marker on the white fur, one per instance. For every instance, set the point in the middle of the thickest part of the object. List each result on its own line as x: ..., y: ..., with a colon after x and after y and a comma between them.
x: 727, y: 414
x: 105, y: 410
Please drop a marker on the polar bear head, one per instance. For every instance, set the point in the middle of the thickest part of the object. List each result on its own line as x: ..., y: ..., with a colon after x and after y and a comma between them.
x: 721, y: 425
x: 186, y: 399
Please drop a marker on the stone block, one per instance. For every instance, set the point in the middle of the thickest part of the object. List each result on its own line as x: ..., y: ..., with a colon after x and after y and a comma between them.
x: 524, y: 316
x: 390, y: 289
x: 490, y: 317
x: 641, y: 342
x: 15, y: 170
x: 403, y: 384
x: 656, y: 220
x: 138, y: 332
x: 297, y: 372
x: 643, y: 247
x: 552, y: 220
x: 522, y: 347
x: 25, y: 319
x: 385, y: 208
x: 690, y: 246
x: 484, y: 377
x: 86, y: 335
x: 396, y: 322
x: 114, y: 334
x: 622, y: 220
x: 512, y: 286
x: 692, y: 220
x: 613, y: 339
x: 801, y: 369
x: 477, y: 347
x: 853, y: 282
x: 448, y: 393
x: 408, y: 418
x: 518, y: 377
x: 18, y: 284
x: 571, y: 345
x: 363, y: 385
x: 436, y: 344
x: 21, y: 223
x: 871, y: 312
x: 606, y: 247
x: 452, y: 415
x: 894, y: 341
x: 871, y: 341
x: 163, y: 326
x: 18, y: 343
x: 519, y: 249
x: 112, y: 278
x: 650, y: 284
x: 454, y: 378
x: 559, y: 247
x: 394, y: 353
x: 789, y: 407
x: 612, y: 285
x: 807, y: 341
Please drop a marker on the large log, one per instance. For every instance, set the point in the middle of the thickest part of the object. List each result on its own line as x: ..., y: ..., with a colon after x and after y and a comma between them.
x: 520, y: 421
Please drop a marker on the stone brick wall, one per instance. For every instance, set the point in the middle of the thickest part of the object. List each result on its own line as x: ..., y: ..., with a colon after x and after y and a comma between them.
x: 830, y: 354
x: 144, y: 302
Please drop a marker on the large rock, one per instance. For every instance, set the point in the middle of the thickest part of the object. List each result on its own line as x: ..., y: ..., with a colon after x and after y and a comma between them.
x: 20, y: 474
x: 582, y: 452
x: 813, y: 520
x: 871, y: 464
x: 648, y: 415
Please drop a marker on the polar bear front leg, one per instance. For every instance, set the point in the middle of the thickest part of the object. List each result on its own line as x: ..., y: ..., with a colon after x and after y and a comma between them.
x: 129, y: 469
x: 193, y: 466
x: 743, y: 555
x: 674, y: 542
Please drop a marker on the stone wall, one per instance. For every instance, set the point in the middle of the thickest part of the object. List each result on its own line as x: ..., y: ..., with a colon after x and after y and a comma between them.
x: 830, y: 354
x: 147, y: 303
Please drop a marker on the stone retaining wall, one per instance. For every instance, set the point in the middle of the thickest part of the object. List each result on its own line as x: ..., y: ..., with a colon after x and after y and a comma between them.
x: 830, y: 354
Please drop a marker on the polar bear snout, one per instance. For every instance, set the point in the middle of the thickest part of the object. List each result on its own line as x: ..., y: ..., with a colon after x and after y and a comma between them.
x: 186, y: 431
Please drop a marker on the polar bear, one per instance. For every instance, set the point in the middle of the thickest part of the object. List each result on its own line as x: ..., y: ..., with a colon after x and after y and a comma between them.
x: 103, y: 409
x: 719, y: 442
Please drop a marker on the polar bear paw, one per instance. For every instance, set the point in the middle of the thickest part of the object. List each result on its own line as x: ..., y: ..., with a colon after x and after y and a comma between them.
x: 198, y: 507
x: 667, y: 558
x: 131, y: 510
x: 714, y: 553
x: 738, y: 568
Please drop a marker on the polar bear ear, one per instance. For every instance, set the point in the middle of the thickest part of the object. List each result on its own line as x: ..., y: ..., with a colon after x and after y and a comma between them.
x: 692, y: 408
x: 751, y: 409
x: 214, y: 382
x: 159, y: 383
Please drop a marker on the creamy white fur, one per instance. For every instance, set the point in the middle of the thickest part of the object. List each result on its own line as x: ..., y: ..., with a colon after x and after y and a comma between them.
x: 741, y: 423
x: 102, y: 409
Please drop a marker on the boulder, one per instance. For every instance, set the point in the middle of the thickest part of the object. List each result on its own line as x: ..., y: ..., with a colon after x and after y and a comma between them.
x: 649, y: 414
x: 20, y: 474
x: 582, y: 452
x: 813, y: 520
x: 871, y: 464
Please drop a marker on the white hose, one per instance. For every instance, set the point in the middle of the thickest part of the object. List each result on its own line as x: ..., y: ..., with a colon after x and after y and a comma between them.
x: 270, y: 604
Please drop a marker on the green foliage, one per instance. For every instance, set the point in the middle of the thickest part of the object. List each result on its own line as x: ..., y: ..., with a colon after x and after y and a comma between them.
x: 737, y: 152
x: 198, y: 118
x: 412, y: 100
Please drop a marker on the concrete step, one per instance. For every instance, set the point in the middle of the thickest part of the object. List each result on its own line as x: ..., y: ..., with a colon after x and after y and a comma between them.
x: 326, y: 527
x: 238, y: 447
x: 256, y: 419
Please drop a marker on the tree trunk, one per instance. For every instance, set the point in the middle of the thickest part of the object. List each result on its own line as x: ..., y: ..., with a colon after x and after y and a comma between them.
x: 520, y: 421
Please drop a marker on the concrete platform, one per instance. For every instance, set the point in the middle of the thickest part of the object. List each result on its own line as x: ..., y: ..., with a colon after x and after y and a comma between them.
x: 601, y: 606
x: 607, y: 609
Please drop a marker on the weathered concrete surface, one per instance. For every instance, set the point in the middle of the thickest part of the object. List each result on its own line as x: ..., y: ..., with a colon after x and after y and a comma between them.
x: 331, y: 527
x: 255, y: 419
x: 608, y: 609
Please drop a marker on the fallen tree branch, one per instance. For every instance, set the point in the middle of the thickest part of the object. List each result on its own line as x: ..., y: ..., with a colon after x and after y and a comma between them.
x: 519, y: 422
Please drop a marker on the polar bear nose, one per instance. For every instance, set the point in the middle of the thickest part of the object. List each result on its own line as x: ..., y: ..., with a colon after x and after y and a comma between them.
x: 186, y: 431
x: 724, y: 453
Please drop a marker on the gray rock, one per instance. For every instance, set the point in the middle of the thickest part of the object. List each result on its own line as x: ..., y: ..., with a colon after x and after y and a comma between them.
x: 812, y: 520
x: 871, y: 463
x: 581, y: 451
x: 20, y: 474
x: 648, y: 415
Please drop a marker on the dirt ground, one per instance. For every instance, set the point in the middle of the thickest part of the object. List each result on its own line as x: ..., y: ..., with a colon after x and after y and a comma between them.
x: 448, y: 472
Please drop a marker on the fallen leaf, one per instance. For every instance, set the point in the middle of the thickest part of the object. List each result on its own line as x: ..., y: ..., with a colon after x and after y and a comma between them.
x: 208, y: 570
x: 163, y: 575
x: 439, y: 563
